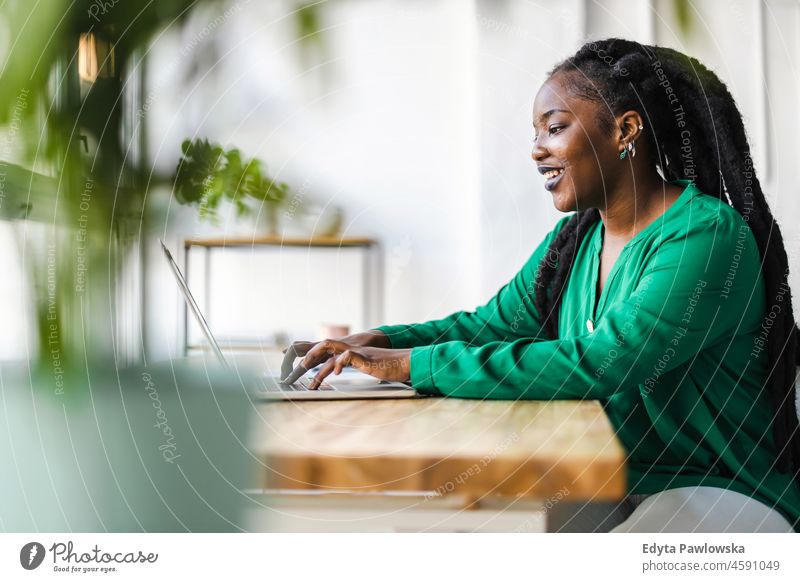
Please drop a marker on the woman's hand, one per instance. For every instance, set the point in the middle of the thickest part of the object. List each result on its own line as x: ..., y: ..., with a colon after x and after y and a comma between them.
x: 382, y: 363
x: 298, y: 349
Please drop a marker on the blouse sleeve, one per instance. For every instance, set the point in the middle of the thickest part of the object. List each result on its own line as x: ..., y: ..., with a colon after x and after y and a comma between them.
x: 687, y: 297
x: 509, y: 314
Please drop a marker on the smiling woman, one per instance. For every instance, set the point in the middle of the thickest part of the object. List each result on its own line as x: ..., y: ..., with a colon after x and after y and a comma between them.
x: 650, y: 296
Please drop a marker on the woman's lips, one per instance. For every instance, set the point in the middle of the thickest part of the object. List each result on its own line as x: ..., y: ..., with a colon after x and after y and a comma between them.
x: 550, y: 183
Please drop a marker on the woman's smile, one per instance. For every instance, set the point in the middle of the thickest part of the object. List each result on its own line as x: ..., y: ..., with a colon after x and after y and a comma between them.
x: 553, y: 177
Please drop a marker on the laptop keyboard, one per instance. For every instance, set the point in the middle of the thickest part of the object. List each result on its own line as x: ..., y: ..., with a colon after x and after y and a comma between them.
x: 301, y: 385
x: 304, y: 384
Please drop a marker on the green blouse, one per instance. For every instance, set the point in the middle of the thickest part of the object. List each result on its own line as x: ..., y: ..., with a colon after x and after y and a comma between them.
x: 674, y: 348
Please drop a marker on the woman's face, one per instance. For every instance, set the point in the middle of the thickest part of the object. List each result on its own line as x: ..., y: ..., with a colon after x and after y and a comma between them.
x: 568, y: 140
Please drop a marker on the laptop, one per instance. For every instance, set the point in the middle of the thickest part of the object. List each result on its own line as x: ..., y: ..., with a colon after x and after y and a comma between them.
x: 350, y: 384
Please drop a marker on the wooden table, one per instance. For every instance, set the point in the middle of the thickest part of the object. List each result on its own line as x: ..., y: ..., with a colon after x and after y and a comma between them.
x: 432, y: 463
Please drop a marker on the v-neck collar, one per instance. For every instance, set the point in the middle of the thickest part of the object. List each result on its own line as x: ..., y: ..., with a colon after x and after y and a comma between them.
x: 598, y: 301
x: 690, y: 190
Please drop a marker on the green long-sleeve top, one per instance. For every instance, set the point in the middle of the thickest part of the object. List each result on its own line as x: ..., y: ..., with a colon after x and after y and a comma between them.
x: 674, y: 348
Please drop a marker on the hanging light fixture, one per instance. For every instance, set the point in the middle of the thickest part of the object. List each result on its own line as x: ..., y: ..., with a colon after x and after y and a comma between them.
x: 96, y: 58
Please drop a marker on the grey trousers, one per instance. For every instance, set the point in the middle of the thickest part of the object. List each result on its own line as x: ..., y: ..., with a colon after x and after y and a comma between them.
x: 680, y: 510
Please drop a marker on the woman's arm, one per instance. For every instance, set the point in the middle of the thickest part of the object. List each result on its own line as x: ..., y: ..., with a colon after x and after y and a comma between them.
x: 510, y: 314
x: 683, y: 302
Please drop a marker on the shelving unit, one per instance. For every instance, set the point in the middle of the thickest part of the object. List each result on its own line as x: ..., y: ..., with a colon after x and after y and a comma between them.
x: 371, y: 280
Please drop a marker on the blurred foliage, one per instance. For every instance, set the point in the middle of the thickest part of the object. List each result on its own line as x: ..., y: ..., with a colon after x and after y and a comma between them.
x: 72, y: 131
x: 683, y: 14
x: 43, y: 32
x: 207, y: 174
x: 308, y: 19
x: 200, y: 164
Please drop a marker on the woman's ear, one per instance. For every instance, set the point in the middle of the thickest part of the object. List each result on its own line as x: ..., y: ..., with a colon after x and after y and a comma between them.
x: 630, y: 126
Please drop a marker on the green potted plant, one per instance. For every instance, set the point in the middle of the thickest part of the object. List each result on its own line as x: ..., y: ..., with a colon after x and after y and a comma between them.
x: 207, y: 175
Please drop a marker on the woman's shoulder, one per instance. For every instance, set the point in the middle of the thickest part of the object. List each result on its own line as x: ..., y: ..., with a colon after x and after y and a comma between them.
x: 703, y: 216
x: 716, y: 209
x: 708, y: 232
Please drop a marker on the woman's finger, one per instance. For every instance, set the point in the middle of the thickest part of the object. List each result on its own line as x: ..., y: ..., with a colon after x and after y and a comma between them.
x: 319, y: 353
x: 297, y: 349
x: 334, y: 364
x: 342, y: 360
x: 323, y: 373
x: 322, y: 351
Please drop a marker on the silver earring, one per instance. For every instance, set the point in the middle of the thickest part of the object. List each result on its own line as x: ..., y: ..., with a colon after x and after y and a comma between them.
x: 641, y: 127
x: 632, y: 148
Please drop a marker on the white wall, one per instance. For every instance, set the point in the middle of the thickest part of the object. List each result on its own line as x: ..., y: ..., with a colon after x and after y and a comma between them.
x: 519, y: 42
x: 418, y: 124
x: 16, y: 309
x: 386, y: 128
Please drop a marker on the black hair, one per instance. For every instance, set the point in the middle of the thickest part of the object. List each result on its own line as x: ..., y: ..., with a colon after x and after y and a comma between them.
x: 667, y: 87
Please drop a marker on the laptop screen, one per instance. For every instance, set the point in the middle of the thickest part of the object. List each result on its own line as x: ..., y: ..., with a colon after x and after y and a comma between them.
x: 192, y: 304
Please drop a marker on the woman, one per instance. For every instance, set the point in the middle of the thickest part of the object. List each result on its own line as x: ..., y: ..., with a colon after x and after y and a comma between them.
x: 664, y: 295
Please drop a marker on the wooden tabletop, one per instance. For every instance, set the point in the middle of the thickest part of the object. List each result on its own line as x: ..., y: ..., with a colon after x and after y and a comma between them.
x: 441, y: 446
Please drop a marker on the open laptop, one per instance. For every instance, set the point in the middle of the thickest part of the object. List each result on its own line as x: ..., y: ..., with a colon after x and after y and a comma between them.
x: 350, y: 384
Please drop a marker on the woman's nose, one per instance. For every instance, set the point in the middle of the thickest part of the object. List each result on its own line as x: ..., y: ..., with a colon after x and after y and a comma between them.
x: 538, y: 152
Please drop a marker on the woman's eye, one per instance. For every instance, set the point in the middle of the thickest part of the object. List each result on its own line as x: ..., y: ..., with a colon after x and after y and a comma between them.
x: 556, y: 129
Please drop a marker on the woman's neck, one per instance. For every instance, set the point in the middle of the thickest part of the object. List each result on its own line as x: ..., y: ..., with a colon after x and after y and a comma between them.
x: 635, y: 205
